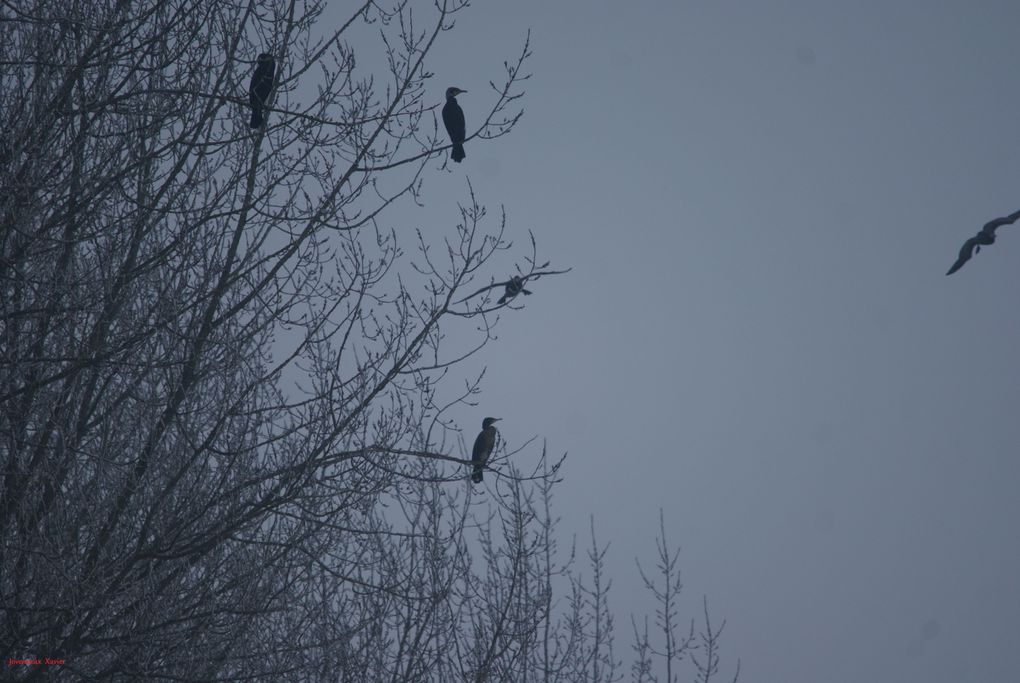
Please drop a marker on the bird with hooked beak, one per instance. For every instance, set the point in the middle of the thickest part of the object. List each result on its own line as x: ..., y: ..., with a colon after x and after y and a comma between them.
x: 484, y: 444
x: 985, y: 237
x: 453, y: 119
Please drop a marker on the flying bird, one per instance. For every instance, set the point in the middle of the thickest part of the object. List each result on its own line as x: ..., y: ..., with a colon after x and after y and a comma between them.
x: 514, y: 287
x: 261, y: 86
x: 453, y: 119
x: 484, y: 444
x: 985, y: 237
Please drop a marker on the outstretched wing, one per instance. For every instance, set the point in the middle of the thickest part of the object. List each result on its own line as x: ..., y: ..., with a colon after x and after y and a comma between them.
x: 990, y: 226
x: 966, y: 251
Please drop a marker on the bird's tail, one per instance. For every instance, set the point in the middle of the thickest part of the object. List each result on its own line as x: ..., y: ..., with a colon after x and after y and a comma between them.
x: 256, y: 117
x: 476, y: 476
x: 457, y: 154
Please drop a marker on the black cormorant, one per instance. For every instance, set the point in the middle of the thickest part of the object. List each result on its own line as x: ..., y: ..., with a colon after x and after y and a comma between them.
x: 484, y: 444
x: 453, y: 118
x: 985, y: 237
x: 514, y: 287
x: 261, y: 86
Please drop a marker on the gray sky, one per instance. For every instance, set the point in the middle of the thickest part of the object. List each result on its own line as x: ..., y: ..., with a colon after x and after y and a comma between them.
x: 760, y: 201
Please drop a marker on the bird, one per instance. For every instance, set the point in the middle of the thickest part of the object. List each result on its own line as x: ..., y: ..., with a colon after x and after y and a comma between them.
x: 514, y: 287
x: 261, y: 86
x: 453, y: 118
x: 985, y: 237
x: 484, y: 444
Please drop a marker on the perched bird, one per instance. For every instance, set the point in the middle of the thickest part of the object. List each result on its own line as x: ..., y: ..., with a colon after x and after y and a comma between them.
x: 453, y: 118
x: 985, y: 237
x: 261, y: 86
x: 514, y: 287
x: 484, y: 444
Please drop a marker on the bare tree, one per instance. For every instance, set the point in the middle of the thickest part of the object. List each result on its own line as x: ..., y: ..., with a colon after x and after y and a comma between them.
x: 708, y: 665
x: 676, y: 643
x: 217, y: 360
x: 227, y: 382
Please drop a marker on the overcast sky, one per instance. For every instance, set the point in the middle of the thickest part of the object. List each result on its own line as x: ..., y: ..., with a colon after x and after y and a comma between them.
x: 760, y: 201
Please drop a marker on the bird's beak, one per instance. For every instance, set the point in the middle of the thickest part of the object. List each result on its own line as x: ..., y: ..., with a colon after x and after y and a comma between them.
x: 496, y: 419
x: 459, y: 92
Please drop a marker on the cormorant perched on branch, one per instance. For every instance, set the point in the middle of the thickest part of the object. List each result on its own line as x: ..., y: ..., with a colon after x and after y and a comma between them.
x: 514, y: 287
x: 261, y: 86
x: 453, y: 118
x: 985, y: 237
x: 484, y: 444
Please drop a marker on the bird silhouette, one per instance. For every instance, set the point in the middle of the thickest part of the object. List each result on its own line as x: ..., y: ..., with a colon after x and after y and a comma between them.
x: 984, y: 237
x: 453, y: 119
x: 484, y: 444
x: 513, y: 287
x: 261, y: 86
